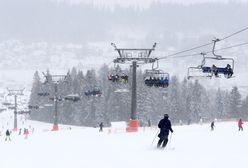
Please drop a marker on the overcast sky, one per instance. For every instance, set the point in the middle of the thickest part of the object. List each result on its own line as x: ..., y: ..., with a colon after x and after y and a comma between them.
x: 146, y: 3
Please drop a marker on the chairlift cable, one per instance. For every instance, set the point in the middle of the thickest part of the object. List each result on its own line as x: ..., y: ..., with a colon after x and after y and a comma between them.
x: 236, y: 45
x: 240, y: 31
x: 185, y: 51
x: 197, y: 54
x: 235, y: 33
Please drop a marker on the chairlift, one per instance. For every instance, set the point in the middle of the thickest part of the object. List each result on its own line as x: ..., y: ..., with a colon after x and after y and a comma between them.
x: 42, y: 91
x: 43, y: 94
x: 72, y: 97
x: 24, y: 112
x: 94, y: 92
x: 58, y: 98
x: 157, y: 78
x: 197, y: 73
x: 33, y: 106
x: 118, y: 75
x: 209, y: 71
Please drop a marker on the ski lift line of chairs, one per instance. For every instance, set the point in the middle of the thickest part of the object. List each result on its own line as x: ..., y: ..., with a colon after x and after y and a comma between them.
x: 156, y: 78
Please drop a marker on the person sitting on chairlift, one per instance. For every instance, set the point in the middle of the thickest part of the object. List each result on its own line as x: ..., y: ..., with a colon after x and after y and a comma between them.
x: 110, y: 77
x: 215, y: 71
x: 229, y: 70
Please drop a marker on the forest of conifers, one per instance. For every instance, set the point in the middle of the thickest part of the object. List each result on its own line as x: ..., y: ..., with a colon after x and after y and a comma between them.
x: 183, y: 100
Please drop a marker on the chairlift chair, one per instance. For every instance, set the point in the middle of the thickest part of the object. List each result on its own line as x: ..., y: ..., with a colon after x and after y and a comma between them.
x: 94, y: 92
x: 197, y: 73
x: 72, y: 97
x: 156, y: 78
x: 43, y: 94
x: 33, y: 106
x: 118, y: 75
x: 213, y: 70
x: 226, y: 71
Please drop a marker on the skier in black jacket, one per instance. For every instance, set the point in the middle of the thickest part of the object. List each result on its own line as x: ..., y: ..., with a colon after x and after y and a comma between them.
x: 7, y: 135
x: 101, y: 126
x: 165, y: 127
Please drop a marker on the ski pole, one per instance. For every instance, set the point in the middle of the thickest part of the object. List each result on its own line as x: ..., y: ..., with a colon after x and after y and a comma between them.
x: 155, y: 136
x: 170, y: 140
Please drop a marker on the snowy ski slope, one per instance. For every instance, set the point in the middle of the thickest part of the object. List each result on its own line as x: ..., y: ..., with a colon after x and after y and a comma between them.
x: 195, y: 147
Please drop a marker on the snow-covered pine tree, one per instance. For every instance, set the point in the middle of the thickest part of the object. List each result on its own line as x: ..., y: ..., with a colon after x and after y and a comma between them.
x: 34, y: 99
x: 244, y: 108
x: 235, y: 102
x: 173, y: 99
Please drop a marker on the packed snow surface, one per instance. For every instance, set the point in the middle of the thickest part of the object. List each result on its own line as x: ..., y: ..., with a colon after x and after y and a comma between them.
x: 193, y: 146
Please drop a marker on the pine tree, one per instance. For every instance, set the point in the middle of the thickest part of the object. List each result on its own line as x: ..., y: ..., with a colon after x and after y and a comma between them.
x: 173, y: 98
x: 184, y: 98
x: 235, y: 102
x: 219, y: 103
x: 196, y: 100
x: 244, y: 108
x: 34, y: 99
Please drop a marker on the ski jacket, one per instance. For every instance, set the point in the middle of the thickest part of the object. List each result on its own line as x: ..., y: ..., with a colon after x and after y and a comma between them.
x: 7, y: 133
x: 165, y: 127
x: 26, y: 132
x: 240, y: 123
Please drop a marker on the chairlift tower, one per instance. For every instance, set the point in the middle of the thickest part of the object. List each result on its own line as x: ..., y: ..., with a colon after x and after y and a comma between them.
x: 15, y: 93
x: 56, y: 79
x: 134, y: 56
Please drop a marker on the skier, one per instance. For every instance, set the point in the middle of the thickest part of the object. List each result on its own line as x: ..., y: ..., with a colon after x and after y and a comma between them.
x: 212, y: 125
x: 20, y: 131
x: 165, y: 127
x: 7, y: 135
x: 149, y: 123
x: 26, y: 132
x: 101, y: 126
x: 229, y: 71
x: 201, y: 121
x: 240, y: 123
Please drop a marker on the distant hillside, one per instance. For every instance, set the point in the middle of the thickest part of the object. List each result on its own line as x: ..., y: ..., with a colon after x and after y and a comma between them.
x: 45, y: 20
x: 42, y: 34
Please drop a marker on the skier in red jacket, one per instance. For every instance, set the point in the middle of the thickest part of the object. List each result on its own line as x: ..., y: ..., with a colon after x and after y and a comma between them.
x: 240, y: 123
x: 26, y: 132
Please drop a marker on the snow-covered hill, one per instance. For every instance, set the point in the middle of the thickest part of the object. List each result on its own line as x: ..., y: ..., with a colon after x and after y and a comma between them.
x: 195, y: 147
